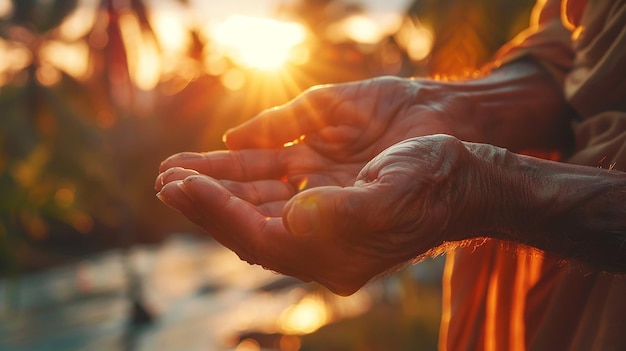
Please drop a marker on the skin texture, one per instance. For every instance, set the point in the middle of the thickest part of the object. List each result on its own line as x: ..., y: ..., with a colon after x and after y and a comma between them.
x: 377, y: 175
x: 333, y: 234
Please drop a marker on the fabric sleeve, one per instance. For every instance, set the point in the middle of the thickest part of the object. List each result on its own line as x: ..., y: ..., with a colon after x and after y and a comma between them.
x: 546, y: 40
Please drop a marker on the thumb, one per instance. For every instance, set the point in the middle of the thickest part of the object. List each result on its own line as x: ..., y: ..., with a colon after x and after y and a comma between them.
x: 276, y: 126
x: 328, y: 210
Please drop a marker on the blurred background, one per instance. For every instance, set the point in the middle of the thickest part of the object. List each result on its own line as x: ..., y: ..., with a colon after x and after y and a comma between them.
x: 95, y: 93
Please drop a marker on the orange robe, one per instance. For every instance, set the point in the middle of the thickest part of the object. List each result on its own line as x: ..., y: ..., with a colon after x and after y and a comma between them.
x: 499, y: 296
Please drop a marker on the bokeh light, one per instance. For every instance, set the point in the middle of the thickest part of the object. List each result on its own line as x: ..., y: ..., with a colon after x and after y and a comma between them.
x: 305, y: 317
x: 72, y: 58
x: 359, y: 28
x: 14, y: 57
x: 415, y: 38
x: 144, y: 60
x: 78, y: 24
x: 5, y: 8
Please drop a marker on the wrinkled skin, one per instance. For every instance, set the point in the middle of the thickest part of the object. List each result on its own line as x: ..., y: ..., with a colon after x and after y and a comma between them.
x: 350, y: 122
x: 320, y: 209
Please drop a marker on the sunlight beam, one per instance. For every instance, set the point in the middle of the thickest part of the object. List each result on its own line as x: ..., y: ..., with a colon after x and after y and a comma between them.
x: 258, y: 42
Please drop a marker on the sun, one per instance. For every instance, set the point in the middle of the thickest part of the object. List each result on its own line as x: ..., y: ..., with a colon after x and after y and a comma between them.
x: 258, y: 42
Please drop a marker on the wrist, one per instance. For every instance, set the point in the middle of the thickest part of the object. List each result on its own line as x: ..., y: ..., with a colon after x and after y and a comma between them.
x: 586, y: 217
x: 571, y: 211
x: 518, y: 106
x: 480, y: 192
x: 453, y: 105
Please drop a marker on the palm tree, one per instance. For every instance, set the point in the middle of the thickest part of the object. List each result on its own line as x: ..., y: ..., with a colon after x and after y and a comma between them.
x: 57, y: 147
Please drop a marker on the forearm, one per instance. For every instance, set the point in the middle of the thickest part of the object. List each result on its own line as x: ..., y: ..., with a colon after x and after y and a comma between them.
x: 573, y: 211
x: 518, y: 106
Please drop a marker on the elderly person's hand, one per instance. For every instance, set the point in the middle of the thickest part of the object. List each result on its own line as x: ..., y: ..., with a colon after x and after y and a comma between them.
x: 518, y: 107
x: 350, y: 122
x: 339, y: 232
x: 362, y: 187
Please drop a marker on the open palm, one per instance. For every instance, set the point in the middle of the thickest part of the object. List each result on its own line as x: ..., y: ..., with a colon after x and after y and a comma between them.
x: 251, y: 198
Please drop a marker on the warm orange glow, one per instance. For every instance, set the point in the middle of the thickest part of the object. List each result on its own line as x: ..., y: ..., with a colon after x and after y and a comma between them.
x: 233, y: 79
x: 64, y: 197
x: 72, y: 58
x: 259, y: 89
x: 174, y: 41
x: 248, y: 345
x: 79, y: 22
x: 358, y: 28
x: 81, y: 221
x: 416, y: 38
x: 258, y: 42
x: 215, y: 64
x: 305, y: 317
x: 14, y: 57
x: 48, y: 75
x: 294, y: 142
x: 144, y: 60
x: 173, y: 36
x: 303, y: 183
x: 299, y: 55
x: 290, y: 343
x: 5, y: 8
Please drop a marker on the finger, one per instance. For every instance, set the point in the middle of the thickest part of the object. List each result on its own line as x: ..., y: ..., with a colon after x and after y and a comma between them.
x: 355, y: 221
x: 201, y: 211
x: 269, y: 193
x: 370, y: 218
x: 275, y: 127
x: 326, y: 210
x: 272, y: 209
x: 172, y: 174
x: 241, y: 165
x: 173, y: 196
x: 229, y: 213
x: 339, y: 219
x: 261, y: 191
x: 261, y: 240
x: 256, y: 238
x: 241, y: 227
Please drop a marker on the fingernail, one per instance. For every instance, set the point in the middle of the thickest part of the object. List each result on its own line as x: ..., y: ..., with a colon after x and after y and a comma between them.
x: 181, y: 185
x: 224, y: 136
x: 172, y: 197
x: 168, y: 199
x: 304, y: 217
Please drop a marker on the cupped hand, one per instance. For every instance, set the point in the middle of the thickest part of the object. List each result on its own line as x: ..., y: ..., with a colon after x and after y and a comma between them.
x: 352, y: 121
x: 295, y: 212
